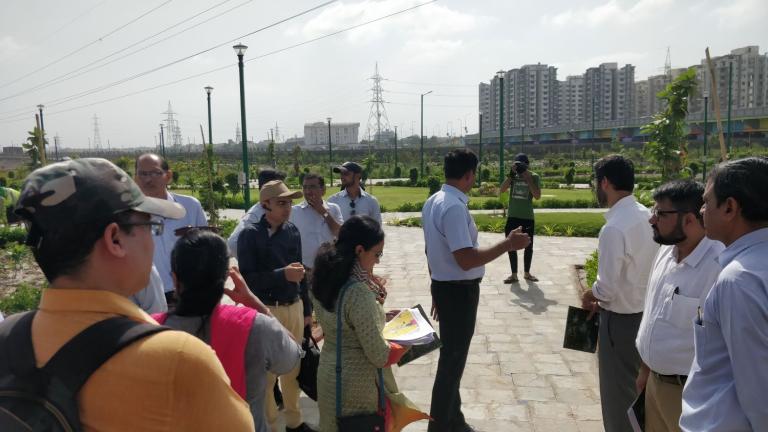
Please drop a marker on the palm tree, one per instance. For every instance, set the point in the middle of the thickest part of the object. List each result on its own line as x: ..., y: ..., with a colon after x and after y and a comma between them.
x: 33, y: 149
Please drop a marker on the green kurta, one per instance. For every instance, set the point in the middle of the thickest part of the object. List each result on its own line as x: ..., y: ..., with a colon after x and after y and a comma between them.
x: 363, y: 350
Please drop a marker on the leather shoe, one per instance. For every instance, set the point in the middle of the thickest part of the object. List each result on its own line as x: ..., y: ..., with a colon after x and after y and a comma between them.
x: 465, y: 428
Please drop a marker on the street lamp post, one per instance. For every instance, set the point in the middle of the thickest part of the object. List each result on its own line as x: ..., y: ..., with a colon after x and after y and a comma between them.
x: 522, y: 138
x: 330, y: 152
x: 730, y: 88
x: 208, y: 90
x: 42, y: 134
x: 573, y: 144
x: 593, y: 121
x: 480, y: 145
x: 240, y: 51
x: 421, y: 164
x: 500, y: 76
x: 395, y: 147
x: 162, y: 141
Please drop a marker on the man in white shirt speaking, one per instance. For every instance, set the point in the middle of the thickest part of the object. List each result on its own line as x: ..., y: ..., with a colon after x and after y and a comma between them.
x: 626, y: 252
x: 685, y: 269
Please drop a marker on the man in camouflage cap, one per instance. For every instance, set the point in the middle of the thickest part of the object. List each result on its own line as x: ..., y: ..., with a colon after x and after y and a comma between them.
x: 90, y: 230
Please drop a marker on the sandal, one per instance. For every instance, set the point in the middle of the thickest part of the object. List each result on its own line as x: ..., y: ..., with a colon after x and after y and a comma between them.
x: 530, y: 277
x: 511, y: 279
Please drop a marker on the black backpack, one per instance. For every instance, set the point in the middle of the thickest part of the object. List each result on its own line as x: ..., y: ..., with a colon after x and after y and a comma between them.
x: 45, y: 399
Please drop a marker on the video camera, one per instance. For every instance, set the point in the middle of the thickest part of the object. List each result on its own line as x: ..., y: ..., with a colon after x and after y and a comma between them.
x: 518, y: 168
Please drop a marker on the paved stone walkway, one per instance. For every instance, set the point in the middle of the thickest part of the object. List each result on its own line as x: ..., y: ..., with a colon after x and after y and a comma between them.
x: 518, y: 376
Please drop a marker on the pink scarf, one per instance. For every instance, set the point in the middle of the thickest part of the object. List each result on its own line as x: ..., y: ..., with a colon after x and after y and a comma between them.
x: 230, y: 331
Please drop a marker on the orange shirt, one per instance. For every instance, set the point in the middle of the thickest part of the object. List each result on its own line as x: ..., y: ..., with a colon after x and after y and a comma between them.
x: 170, y: 381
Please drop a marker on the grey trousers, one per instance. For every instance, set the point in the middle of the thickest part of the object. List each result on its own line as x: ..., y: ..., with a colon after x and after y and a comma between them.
x: 618, y: 362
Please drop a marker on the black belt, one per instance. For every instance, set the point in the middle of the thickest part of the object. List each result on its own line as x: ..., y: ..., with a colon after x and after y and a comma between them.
x: 460, y: 282
x: 280, y: 302
x: 672, y: 379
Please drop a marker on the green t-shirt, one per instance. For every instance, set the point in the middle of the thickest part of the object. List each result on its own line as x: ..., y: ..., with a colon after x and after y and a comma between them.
x: 521, y: 198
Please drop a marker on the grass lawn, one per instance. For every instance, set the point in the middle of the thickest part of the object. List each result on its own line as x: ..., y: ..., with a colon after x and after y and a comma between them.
x: 568, y: 224
x: 392, y: 197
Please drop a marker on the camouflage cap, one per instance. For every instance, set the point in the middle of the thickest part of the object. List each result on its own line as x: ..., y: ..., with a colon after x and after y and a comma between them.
x: 84, y: 190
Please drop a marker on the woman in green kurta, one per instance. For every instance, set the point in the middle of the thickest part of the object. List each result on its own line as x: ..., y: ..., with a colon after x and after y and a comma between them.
x: 350, y: 262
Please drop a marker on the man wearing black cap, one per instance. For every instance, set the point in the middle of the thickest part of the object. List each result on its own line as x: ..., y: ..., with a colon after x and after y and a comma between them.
x: 525, y: 187
x: 352, y: 199
x: 90, y: 231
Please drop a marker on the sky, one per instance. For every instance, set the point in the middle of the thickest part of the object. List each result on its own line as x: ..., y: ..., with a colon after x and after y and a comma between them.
x: 125, y: 61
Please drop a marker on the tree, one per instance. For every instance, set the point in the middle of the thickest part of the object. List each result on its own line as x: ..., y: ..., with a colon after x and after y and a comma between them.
x: 232, y: 183
x: 33, y: 149
x: 296, y: 153
x: 271, y: 154
x: 667, y: 146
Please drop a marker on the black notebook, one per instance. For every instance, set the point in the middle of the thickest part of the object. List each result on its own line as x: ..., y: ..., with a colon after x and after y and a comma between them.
x: 580, y: 333
x: 417, y: 351
x: 636, y: 413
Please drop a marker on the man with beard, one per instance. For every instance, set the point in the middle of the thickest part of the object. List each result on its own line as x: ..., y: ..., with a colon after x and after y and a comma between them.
x: 352, y: 199
x: 685, y: 269
x: 626, y: 251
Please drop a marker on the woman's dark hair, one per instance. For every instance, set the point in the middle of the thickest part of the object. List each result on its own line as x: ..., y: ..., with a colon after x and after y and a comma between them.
x: 334, y: 261
x: 200, y: 261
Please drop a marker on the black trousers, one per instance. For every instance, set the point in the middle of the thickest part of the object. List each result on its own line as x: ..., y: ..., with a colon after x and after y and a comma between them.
x: 456, y: 305
x: 528, y: 226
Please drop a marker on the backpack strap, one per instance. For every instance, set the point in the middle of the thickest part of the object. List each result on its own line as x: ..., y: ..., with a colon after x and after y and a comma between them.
x: 74, y: 363
x: 16, y: 341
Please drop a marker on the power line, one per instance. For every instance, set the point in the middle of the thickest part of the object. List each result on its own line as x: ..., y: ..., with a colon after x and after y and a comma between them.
x: 70, y: 22
x: 147, y: 72
x: 433, y: 94
x: 19, y: 116
x: 431, y: 105
x: 431, y: 84
x: 74, y: 73
x: 100, y: 39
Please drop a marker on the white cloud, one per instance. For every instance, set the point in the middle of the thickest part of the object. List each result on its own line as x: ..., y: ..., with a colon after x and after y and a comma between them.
x: 431, y: 21
x: 431, y: 51
x: 609, y: 13
x: 739, y: 12
x: 8, y: 46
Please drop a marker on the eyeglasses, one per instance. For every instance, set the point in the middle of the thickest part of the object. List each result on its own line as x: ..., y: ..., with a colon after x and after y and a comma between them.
x: 154, y: 174
x: 311, y: 187
x: 157, y: 227
x: 179, y: 232
x: 658, y: 213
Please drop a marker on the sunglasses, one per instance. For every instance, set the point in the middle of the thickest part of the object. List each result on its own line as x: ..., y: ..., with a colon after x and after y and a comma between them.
x: 179, y: 232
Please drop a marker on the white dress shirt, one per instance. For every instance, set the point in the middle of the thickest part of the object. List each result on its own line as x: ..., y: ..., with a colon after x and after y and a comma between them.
x: 252, y: 216
x: 313, y: 228
x: 626, y: 252
x: 728, y: 379
x: 164, y: 244
x: 448, y: 227
x: 152, y: 298
x: 365, y: 204
x: 675, y: 293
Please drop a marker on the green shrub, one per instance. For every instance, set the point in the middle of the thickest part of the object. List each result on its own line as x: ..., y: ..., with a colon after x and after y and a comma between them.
x: 433, y: 183
x: 413, y: 175
x: 25, y: 297
x: 12, y: 234
x: 398, y: 172
x: 227, y: 226
x: 493, y: 204
x: 590, y: 267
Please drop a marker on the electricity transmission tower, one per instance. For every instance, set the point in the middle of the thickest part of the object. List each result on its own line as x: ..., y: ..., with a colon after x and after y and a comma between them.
x: 96, y: 134
x: 377, y: 119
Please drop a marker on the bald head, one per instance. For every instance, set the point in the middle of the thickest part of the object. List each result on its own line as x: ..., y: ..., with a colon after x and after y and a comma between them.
x: 153, y: 175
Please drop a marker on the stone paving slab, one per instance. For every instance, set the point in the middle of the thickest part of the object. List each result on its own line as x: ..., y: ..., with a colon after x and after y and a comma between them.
x: 518, y: 376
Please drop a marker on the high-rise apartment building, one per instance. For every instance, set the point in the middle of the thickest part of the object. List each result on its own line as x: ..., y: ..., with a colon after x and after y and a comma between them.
x: 342, y: 134
x: 611, y: 90
x: 749, y: 84
x: 530, y: 97
x: 484, y: 91
x: 571, y: 100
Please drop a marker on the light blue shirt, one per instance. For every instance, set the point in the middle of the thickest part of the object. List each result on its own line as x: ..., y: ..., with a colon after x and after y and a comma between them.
x: 152, y: 298
x: 365, y: 204
x: 164, y: 244
x: 729, y: 376
x: 449, y: 227
x: 252, y: 216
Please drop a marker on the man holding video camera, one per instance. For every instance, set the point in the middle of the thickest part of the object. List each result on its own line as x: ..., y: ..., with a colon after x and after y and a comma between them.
x: 525, y: 187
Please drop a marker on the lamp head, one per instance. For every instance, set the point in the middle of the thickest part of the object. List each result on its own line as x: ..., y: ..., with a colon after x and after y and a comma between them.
x: 208, y: 89
x: 240, y: 49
